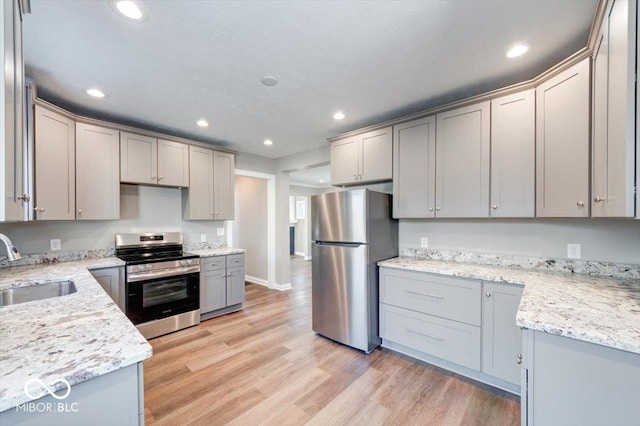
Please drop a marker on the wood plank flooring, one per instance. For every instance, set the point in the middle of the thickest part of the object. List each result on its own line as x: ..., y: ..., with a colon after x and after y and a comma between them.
x: 264, y: 365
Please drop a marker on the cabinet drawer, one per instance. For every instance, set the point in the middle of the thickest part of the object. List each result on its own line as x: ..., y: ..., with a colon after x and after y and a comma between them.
x: 234, y: 260
x: 449, y: 340
x: 212, y: 263
x: 451, y: 298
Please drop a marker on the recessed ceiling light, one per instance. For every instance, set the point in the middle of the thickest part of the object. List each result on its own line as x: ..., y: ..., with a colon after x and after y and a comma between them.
x: 268, y: 142
x: 269, y: 80
x: 321, y: 181
x: 338, y: 115
x: 517, y: 50
x: 95, y: 93
x: 202, y: 123
x: 129, y: 9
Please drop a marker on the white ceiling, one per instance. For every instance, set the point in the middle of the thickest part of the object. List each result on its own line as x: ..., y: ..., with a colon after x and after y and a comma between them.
x: 204, y: 59
x: 312, y: 177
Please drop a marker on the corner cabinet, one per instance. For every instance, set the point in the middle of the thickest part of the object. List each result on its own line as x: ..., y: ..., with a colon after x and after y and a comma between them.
x: 151, y: 161
x: 55, y: 166
x: 364, y: 158
x: 562, y: 146
x: 221, y: 285
x: 614, y: 113
x: 97, y: 173
x: 210, y: 195
x: 462, y: 162
x: 513, y: 151
x: 414, y: 168
x: 112, y: 282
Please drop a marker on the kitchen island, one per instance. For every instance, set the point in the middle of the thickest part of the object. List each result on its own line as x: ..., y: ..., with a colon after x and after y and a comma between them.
x: 82, y: 339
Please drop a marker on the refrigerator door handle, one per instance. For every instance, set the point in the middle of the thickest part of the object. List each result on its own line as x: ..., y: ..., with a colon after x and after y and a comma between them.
x: 329, y: 243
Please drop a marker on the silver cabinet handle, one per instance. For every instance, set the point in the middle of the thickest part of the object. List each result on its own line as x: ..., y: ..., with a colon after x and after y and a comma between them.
x: 38, y: 209
x: 79, y: 211
x: 430, y: 209
x: 495, y: 207
x: 599, y: 199
x: 580, y: 203
x: 160, y: 178
x: 487, y: 294
x: 519, y: 359
x: 439, y: 339
x: 437, y: 208
x: 435, y: 296
x: 25, y: 198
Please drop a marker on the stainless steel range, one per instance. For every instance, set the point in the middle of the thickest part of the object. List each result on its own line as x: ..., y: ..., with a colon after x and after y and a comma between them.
x: 162, y: 282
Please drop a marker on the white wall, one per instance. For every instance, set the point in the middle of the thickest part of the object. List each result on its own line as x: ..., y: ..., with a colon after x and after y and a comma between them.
x: 142, y: 209
x: 607, y: 240
x: 250, y: 224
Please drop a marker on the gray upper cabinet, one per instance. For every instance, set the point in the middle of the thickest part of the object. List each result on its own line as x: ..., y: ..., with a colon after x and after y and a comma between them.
x: 501, y: 337
x: 198, y: 201
x: 462, y: 162
x: 224, y: 185
x: 562, y: 145
x: 414, y: 168
x: 12, y: 192
x: 363, y: 158
x: 55, y: 166
x: 97, y: 173
x: 513, y: 137
x: 173, y: 163
x: 614, y: 113
x: 138, y: 159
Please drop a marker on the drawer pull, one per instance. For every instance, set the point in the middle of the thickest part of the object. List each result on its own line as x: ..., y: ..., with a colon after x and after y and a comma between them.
x: 435, y: 296
x: 439, y: 339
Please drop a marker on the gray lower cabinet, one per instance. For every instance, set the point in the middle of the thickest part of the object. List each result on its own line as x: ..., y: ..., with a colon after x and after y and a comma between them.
x: 571, y: 382
x: 221, y: 284
x: 112, y: 282
x: 447, y: 321
x: 116, y: 398
x: 501, y: 337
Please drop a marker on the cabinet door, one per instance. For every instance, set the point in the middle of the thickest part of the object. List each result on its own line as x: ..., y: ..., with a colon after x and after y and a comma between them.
x: 213, y: 291
x: 376, y: 155
x: 344, y: 161
x: 501, y: 337
x: 224, y: 185
x: 614, y: 113
x: 562, y: 146
x: 138, y: 159
x: 173, y: 163
x: 513, y: 155
x: 414, y: 168
x: 97, y: 173
x: 235, y: 286
x: 198, y: 199
x: 55, y: 192
x: 462, y: 162
x: 110, y: 281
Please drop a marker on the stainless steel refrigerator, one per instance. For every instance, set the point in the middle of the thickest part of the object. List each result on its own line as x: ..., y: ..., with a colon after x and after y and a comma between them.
x: 351, y: 232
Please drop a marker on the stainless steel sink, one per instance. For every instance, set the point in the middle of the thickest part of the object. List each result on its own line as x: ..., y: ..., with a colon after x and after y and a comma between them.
x: 12, y: 296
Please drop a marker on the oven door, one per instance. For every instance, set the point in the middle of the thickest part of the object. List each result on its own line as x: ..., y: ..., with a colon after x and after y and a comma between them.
x: 158, y: 298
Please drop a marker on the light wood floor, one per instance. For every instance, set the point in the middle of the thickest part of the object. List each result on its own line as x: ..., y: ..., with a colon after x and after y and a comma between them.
x: 264, y: 365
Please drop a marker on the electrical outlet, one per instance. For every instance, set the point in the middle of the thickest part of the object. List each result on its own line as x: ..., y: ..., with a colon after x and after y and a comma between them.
x: 203, y: 238
x: 573, y: 251
x: 55, y: 245
x: 424, y: 242
x: 220, y: 232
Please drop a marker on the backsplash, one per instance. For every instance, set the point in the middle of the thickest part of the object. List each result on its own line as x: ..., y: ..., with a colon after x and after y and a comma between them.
x: 608, y: 269
x: 71, y: 255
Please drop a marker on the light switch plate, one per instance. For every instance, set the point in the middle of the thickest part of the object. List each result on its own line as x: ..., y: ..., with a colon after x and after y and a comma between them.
x: 55, y: 245
x: 220, y: 232
x: 424, y: 242
x: 203, y: 238
x: 573, y: 251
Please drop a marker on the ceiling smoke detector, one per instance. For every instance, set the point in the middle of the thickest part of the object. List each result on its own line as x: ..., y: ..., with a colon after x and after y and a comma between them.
x: 269, y: 80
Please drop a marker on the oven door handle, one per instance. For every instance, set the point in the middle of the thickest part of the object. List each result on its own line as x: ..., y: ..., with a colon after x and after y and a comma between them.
x: 144, y: 276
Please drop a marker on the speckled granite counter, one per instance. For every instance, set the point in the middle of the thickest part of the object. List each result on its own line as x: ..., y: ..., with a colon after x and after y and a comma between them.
x: 75, y: 337
x: 595, y: 309
x: 222, y: 251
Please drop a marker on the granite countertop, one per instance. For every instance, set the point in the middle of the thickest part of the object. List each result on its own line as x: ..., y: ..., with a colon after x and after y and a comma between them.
x: 75, y: 337
x: 595, y: 309
x: 223, y: 251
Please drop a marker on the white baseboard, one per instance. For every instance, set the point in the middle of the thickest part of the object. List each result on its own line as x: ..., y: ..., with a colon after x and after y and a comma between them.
x: 299, y: 253
x: 307, y: 258
x: 255, y: 280
x: 282, y: 287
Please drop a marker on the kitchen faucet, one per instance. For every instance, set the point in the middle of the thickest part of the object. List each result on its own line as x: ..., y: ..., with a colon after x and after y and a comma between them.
x: 12, y: 251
